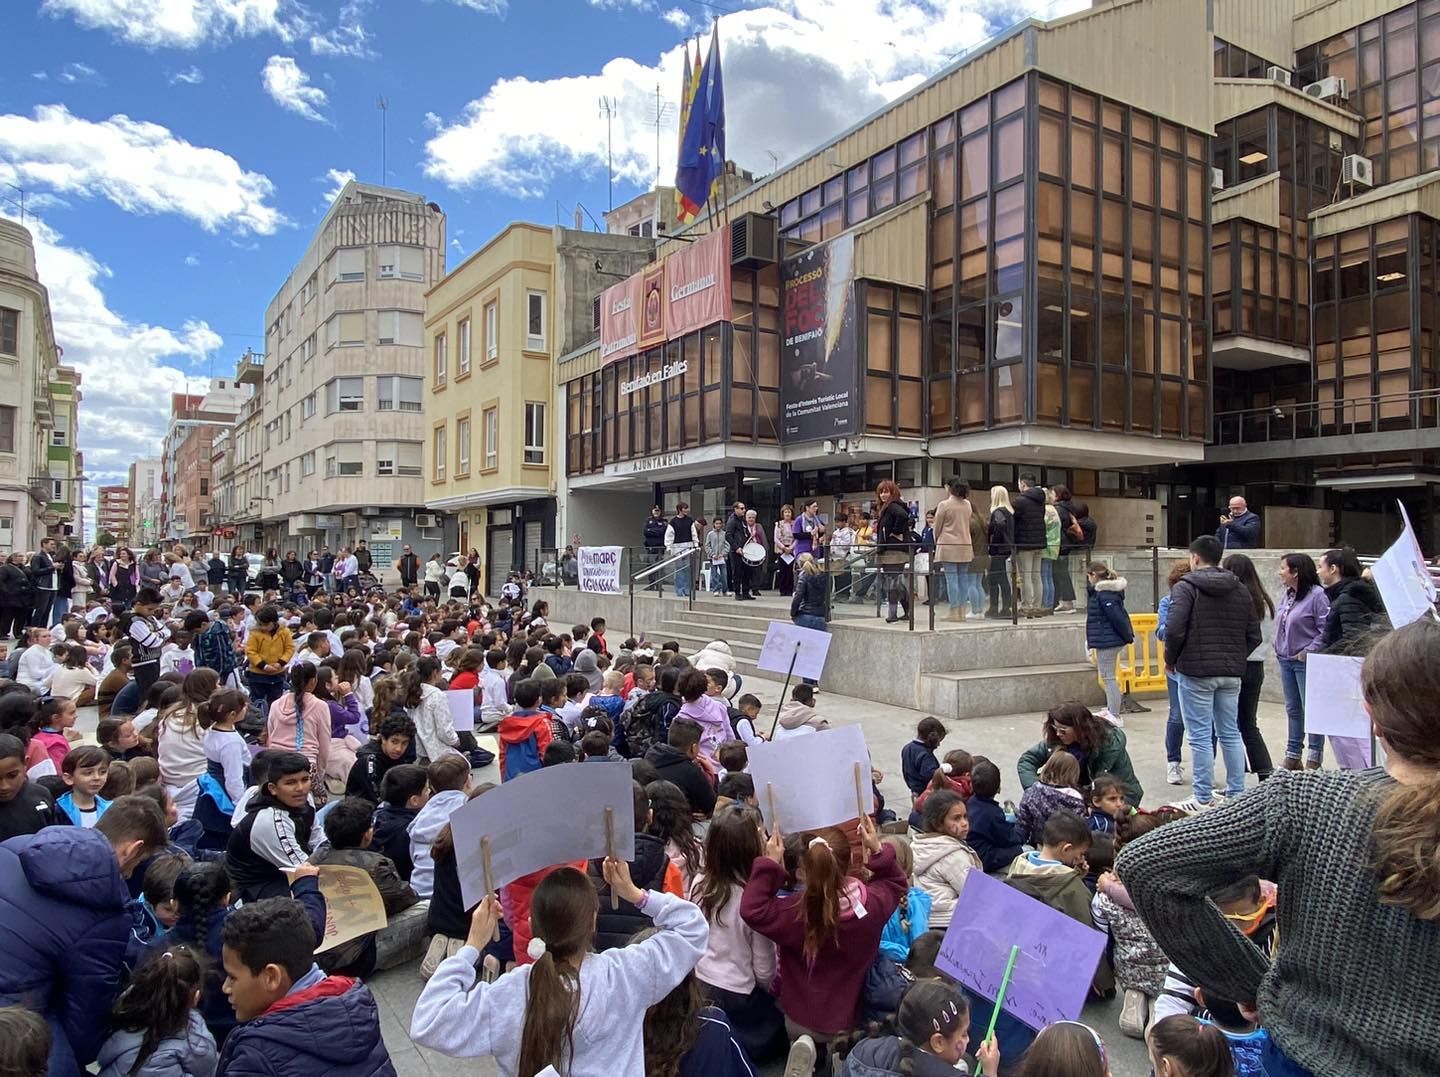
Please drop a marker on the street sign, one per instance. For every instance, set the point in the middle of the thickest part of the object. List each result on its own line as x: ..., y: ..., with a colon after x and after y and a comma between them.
x: 50, y: 518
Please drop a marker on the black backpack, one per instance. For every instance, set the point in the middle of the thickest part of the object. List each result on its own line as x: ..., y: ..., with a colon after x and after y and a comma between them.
x: 648, y: 722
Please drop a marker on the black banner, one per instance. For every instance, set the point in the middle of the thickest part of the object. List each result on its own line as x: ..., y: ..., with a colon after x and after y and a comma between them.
x: 819, y: 354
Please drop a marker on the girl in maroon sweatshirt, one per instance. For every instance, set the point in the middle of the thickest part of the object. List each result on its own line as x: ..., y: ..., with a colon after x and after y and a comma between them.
x: 827, y: 935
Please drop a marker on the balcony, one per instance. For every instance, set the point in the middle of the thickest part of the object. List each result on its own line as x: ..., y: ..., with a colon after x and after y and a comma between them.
x: 250, y: 370
x: 1399, y: 422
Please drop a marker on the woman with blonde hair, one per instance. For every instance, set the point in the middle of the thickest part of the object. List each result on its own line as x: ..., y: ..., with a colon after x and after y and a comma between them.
x: 1001, y: 531
x: 807, y: 604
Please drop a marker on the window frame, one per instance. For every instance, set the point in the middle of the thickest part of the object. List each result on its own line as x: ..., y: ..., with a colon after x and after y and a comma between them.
x: 13, y: 331
x: 440, y: 361
x: 462, y: 349
x: 535, y: 342
x: 491, y: 314
x: 535, y: 418
x: 439, y: 447
x: 490, y: 432
x: 463, y: 428
x: 9, y: 417
x: 338, y: 408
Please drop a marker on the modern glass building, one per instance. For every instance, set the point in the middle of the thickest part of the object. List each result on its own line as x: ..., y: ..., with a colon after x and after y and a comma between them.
x: 1161, y: 251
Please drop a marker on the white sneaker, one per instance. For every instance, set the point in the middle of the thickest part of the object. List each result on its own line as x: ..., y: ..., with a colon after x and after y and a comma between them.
x: 1192, y: 806
x: 1175, y: 774
x: 1132, y: 1014
x: 801, y: 1060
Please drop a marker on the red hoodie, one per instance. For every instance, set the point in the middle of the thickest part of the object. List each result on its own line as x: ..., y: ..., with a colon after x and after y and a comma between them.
x: 519, y: 726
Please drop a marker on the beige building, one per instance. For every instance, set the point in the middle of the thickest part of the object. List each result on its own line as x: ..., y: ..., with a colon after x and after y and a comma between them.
x: 144, y: 483
x: 341, y: 402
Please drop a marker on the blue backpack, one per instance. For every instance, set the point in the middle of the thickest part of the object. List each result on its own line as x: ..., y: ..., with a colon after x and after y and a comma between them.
x: 521, y: 758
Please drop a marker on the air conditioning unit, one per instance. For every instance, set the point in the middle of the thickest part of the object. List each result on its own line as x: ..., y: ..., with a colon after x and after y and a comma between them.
x: 1330, y: 89
x: 1217, y: 179
x: 1357, y: 171
x: 754, y: 241
x: 1278, y: 74
x: 426, y: 519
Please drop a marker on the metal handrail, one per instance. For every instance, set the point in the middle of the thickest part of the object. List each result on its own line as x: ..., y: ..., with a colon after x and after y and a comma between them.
x: 662, y: 564
x: 1308, y: 419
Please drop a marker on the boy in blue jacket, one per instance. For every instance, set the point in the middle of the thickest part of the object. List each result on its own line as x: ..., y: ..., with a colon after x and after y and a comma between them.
x: 992, y: 835
x: 294, y: 1020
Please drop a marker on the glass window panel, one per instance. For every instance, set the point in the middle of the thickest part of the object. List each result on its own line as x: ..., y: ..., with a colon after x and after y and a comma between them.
x: 1009, y: 149
x: 1009, y: 98
x: 1082, y: 105
x: 1009, y: 329
x: 942, y: 176
x: 974, y: 117
x: 1052, y: 145
x: 1142, y: 174
x: 1082, y: 156
x: 974, y: 165
x: 879, y: 404
x: 810, y: 201
x: 1049, y: 400
x: 1114, y: 117
x: 1112, y: 400
x: 882, y: 164
x: 1007, y: 384
x: 878, y: 357
x: 911, y: 336
x: 1142, y: 402
x: 1082, y: 396
x: 1112, y: 165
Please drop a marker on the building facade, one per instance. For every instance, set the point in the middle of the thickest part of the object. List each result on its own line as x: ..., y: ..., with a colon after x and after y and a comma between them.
x: 112, y: 512
x: 340, y: 410
x: 1126, y: 278
x: 64, y: 515
x: 185, y: 459
x: 144, y: 485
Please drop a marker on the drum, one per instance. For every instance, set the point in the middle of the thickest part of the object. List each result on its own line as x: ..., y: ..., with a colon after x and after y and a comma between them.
x: 753, y: 553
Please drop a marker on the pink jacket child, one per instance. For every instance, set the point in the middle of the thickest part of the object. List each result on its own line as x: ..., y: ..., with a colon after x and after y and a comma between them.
x: 309, y: 734
x: 708, y: 712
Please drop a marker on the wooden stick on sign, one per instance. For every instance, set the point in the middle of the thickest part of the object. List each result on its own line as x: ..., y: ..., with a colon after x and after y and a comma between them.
x: 489, y: 877
x: 610, y: 852
x: 859, y: 794
x: 774, y: 815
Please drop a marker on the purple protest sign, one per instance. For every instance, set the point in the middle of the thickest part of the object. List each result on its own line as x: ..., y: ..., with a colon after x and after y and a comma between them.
x: 1057, y: 956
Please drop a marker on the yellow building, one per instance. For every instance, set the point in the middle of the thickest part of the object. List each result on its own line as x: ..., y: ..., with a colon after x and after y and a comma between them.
x: 488, y: 452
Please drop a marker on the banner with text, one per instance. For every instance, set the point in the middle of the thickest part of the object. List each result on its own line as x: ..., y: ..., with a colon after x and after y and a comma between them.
x: 600, y: 569
x: 819, y: 354
x: 698, y: 284
x: 619, y: 324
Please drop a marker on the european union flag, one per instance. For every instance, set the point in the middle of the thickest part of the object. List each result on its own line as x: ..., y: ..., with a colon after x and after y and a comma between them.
x: 702, y: 149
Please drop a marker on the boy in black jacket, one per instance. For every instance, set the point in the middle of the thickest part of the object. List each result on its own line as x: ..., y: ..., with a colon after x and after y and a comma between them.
x: 992, y: 836
x: 616, y: 927
x: 403, y: 793
x: 25, y: 807
x: 391, y: 746
x: 676, y: 763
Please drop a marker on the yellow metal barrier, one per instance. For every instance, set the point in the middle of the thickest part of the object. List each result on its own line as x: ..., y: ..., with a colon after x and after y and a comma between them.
x: 1141, y: 667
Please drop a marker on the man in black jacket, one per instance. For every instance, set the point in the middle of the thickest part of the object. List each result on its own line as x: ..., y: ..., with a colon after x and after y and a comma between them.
x: 654, y: 542
x: 737, y: 534
x: 46, y: 574
x: 1209, y: 635
x: 1030, y: 543
x: 408, y: 565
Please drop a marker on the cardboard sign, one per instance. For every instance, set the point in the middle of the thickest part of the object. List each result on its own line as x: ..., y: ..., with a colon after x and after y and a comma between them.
x: 1334, y: 700
x: 805, y: 783
x: 1352, y: 753
x: 462, y: 708
x: 781, y: 642
x: 1057, y: 955
x: 600, y: 569
x: 550, y: 816
x: 1403, y: 578
x: 353, y: 906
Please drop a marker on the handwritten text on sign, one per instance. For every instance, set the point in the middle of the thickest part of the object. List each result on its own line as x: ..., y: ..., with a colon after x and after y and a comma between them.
x: 353, y: 906
x: 600, y: 569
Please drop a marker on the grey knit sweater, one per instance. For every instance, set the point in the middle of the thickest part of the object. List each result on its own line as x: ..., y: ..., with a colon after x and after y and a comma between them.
x: 1356, y: 984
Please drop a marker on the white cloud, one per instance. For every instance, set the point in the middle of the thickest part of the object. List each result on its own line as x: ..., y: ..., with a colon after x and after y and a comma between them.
x: 39, y: 76
x: 192, y: 260
x: 190, y: 76
x: 485, y: 7
x: 289, y: 87
x: 141, y: 167
x: 677, y: 18
x: 796, y: 73
x: 184, y: 24
x: 124, y: 364
x: 75, y: 71
x: 618, y: 5
x: 348, y: 37
x: 337, y: 178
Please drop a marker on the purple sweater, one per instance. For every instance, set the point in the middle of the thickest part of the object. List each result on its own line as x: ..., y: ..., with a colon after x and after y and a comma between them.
x: 1300, y: 625
x: 346, y: 717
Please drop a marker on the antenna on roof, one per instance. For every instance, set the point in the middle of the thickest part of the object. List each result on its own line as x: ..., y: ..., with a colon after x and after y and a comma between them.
x: 609, y: 106
x: 660, y: 119
x: 383, y: 106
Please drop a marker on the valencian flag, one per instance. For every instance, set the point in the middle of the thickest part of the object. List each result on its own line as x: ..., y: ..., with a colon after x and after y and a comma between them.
x: 688, y: 84
x: 702, y: 143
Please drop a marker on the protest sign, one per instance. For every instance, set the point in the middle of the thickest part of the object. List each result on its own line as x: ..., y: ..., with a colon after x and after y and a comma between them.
x: 550, y: 816
x: 1051, y: 972
x: 353, y: 906
x: 1334, y: 701
x: 784, y: 641
x: 600, y: 569
x: 1352, y: 753
x: 805, y: 783
x: 462, y: 708
x: 1402, y: 577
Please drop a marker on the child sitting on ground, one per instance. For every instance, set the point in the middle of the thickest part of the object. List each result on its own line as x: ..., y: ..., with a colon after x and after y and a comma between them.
x: 1181, y: 1046
x: 402, y: 794
x: 537, y: 1015
x: 51, y: 732
x: 678, y: 761
x: 954, y: 774
x: 1107, y: 803
x: 85, y: 769
x: 942, y: 857
x: 348, y: 830
x: 708, y: 712
x: 313, y: 1023
x: 449, y: 782
x: 799, y: 716
x: 889, y: 978
x: 1246, y: 1039
x: 1057, y: 789
x: 118, y: 737
x: 274, y: 836
x: 746, y: 726
x: 119, y: 781
x: 157, y: 894
x: 1065, y: 1049
x: 992, y: 836
x: 735, y: 789
x: 524, y: 732
x: 1249, y: 904
x: 158, y: 1030
x: 672, y: 821
x: 917, y: 759
x: 933, y: 1029
x: 388, y: 747
x: 75, y: 680
x: 733, y: 757
x: 651, y: 866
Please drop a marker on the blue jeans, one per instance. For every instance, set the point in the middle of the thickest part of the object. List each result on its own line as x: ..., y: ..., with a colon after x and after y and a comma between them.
x: 1047, y: 583
x: 1276, y: 1063
x: 809, y: 620
x: 719, y: 578
x: 955, y: 589
x: 1210, y: 707
x: 1292, y: 679
x: 682, y: 579
x: 60, y: 608
x: 975, y: 580
x: 1174, y: 724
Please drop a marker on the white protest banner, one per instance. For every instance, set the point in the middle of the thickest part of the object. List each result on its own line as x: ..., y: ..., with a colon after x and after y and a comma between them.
x: 1334, y: 702
x: 600, y: 569
x: 784, y: 641
x: 550, y: 816
x: 805, y: 783
x: 462, y: 708
x: 1403, y: 578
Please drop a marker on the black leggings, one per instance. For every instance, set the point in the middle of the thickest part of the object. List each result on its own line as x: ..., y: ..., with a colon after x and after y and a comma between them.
x: 12, y: 620
x: 999, y: 582
x: 1256, y: 751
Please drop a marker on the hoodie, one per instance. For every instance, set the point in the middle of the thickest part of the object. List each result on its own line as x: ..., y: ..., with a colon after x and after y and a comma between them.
x: 330, y: 1028
x: 587, y: 664
x: 714, y: 655
x: 797, y: 719
x: 713, y: 718
x: 64, y: 926
x: 942, y: 864
x: 191, y: 1054
x: 1212, y: 627
x: 371, y: 766
x: 616, y: 927
x: 1063, y: 889
x: 675, y: 766
x: 881, y: 1056
x: 524, y: 736
x: 310, y: 736
x: 391, y: 836
x: 432, y: 818
x: 1355, y: 609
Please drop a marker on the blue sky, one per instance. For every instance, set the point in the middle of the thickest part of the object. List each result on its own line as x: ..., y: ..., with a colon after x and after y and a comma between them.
x: 176, y: 157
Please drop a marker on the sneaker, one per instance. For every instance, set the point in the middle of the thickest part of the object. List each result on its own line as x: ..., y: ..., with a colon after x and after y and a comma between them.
x: 1192, y: 806
x: 1132, y: 1014
x: 1175, y: 774
x: 801, y: 1060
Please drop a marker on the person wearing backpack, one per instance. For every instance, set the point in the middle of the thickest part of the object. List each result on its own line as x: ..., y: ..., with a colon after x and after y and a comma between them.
x: 524, y: 733
x: 648, y: 722
x: 1072, y: 539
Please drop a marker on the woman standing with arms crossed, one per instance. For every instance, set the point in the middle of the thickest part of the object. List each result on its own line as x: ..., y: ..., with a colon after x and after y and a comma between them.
x: 783, y: 536
x: 1299, y: 630
x: 953, y: 548
x: 1352, y: 986
x: 892, y: 540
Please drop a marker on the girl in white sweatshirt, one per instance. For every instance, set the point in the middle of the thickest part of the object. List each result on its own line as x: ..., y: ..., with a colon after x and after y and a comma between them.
x: 578, y: 1011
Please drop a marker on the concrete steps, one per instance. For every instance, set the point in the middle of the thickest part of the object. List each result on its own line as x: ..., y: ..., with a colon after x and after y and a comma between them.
x: 983, y: 693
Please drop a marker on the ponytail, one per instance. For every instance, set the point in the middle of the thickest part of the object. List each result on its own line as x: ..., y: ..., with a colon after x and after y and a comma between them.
x: 159, y: 999
x: 1401, y: 678
x: 562, y: 914
x: 301, y: 675
x: 826, y: 860
x: 223, y: 701
x: 1199, y: 1048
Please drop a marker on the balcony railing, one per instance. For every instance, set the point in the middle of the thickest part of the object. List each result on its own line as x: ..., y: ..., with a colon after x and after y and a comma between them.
x: 1418, y: 410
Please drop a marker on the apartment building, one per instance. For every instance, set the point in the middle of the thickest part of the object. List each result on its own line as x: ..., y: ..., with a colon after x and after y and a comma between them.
x: 341, y: 399
x: 35, y: 492
x: 1159, y: 283
x: 64, y: 515
x: 143, y: 481
x: 112, y: 512
x: 185, y: 458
